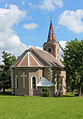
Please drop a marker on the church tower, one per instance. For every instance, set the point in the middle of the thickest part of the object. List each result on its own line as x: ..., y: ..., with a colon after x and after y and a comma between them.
x: 51, y: 45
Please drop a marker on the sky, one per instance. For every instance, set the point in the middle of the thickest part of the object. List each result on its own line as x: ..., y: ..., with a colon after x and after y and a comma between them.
x: 25, y: 23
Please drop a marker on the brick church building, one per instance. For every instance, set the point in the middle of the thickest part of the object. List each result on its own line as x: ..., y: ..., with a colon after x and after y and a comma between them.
x: 40, y: 68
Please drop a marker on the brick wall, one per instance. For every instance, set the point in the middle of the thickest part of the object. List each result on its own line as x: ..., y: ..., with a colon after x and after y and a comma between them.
x: 30, y: 73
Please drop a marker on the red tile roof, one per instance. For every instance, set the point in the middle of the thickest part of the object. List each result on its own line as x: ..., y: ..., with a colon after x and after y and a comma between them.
x: 36, y: 57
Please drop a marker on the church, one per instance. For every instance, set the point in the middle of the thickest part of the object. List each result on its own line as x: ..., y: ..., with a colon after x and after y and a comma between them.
x: 38, y: 68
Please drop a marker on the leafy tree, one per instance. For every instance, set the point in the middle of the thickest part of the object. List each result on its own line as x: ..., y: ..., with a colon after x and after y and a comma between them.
x: 73, y: 59
x: 5, y: 74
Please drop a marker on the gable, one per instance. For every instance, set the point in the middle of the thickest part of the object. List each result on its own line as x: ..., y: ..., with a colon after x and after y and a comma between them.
x: 35, y: 57
x: 28, y: 60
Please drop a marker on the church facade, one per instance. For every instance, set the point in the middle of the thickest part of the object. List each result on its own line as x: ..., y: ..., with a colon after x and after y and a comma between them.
x: 38, y: 68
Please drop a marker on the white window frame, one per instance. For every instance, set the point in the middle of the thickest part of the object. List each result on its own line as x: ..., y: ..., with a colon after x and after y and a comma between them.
x: 32, y: 81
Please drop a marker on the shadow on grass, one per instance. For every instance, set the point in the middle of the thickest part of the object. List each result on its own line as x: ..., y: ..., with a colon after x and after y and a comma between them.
x: 64, y: 96
x: 6, y: 93
x: 69, y: 94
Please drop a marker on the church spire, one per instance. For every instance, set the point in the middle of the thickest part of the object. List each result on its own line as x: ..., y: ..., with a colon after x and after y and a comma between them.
x: 52, y: 46
x: 51, y: 36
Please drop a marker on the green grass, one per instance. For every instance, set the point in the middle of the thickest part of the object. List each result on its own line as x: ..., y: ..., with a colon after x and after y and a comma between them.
x: 24, y: 107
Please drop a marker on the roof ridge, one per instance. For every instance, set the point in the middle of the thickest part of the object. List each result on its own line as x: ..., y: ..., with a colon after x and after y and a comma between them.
x: 48, y: 53
x: 58, y: 61
x: 38, y: 62
x: 41, y: 57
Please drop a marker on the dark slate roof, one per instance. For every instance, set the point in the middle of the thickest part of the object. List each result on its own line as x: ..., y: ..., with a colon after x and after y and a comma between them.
x: 37, y: 57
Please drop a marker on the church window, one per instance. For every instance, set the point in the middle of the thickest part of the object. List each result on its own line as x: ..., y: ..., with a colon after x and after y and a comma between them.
x: 49, y: 50
x: 33, y: 82
x: 16, y: 82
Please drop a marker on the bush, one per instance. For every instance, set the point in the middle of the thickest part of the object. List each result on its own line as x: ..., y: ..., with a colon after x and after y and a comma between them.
x: 45, y: 92
x: 24, y: 94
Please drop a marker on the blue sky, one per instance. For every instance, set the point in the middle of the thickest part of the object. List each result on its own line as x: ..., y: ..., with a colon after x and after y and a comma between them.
x: 25, y: 23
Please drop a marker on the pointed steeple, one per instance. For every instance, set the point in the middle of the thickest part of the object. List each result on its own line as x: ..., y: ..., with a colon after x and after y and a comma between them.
x: 51, y: 36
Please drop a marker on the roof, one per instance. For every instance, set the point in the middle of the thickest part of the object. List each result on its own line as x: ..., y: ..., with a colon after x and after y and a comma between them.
x: 28, y: 60
x: 45, y: 82
x: 51, y: 36
x: 37, y: 57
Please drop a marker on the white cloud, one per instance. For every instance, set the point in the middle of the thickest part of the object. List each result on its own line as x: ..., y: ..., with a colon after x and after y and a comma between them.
x: 63, y: 44
x: 48, y: 4
x: 59, y: 3
x: 33, y: 5
x: 30, y: 26
x: 9, y: 41
x: 72, y: 20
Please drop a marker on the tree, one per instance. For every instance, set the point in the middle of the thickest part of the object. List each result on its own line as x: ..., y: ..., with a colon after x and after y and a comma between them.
x: 5, y: 74
x: 73, y: 60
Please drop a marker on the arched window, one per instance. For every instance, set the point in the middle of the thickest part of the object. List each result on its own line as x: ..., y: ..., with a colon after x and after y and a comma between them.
x: 49, y: 50
x: 33, y: 82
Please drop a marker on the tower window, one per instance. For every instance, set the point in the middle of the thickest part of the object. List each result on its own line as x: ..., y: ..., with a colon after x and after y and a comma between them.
x: 49, y: 50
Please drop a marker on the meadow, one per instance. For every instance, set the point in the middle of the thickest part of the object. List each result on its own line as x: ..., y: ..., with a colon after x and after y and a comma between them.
x: 25, y: 107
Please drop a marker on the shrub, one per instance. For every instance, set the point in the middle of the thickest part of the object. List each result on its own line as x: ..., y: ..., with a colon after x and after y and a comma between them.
x: 45, y: 92
x: 24, y: 95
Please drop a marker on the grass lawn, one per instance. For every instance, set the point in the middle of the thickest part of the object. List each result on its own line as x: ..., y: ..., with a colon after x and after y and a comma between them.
x: 24, y: 107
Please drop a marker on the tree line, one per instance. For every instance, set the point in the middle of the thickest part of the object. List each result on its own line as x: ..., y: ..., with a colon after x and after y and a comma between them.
x: 5, y: 70
x: 73, y: 61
